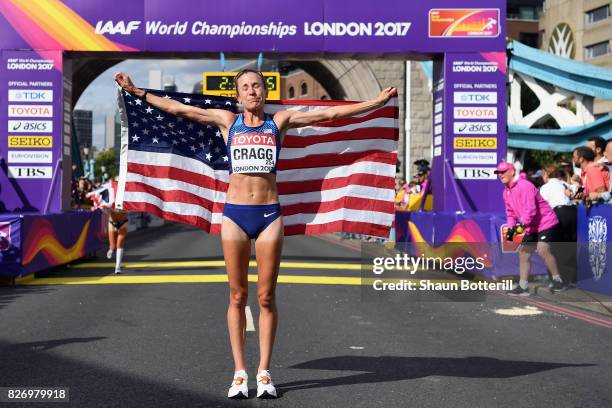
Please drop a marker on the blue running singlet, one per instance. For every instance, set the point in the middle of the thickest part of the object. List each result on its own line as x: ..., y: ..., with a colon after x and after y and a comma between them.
x: 253, y: 149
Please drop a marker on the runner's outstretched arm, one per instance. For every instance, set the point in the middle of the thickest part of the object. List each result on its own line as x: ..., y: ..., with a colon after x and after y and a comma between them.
x: 294, y: 119
x: 216, y: 117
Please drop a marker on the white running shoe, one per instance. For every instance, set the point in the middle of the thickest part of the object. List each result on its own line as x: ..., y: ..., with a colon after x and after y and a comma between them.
x: 117, y: 271
x: 109, y: 253
x: 265, y: 386
x: 239, y: 387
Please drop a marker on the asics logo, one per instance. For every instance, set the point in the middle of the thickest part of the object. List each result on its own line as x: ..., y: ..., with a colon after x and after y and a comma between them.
x: 267, y: 215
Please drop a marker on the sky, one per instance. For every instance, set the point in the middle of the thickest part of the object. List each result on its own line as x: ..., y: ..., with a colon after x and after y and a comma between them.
x: 100, y: 97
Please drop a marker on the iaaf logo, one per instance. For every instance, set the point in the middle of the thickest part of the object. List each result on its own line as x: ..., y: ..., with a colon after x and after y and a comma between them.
x: 121, y: 27
x: 30, y: 111
x: 5, y: 236
x: 474, y: 113
x: 475, y: 128
x: 476, y: 98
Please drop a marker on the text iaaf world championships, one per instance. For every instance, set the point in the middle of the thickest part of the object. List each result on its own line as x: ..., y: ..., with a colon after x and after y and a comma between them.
x: 351, y: 29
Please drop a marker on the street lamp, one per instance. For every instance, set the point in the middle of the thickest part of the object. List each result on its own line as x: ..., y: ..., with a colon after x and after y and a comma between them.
x: 89, y: 164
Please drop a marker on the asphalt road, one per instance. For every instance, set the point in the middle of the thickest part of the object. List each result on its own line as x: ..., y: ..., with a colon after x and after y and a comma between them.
x: 163, y: 343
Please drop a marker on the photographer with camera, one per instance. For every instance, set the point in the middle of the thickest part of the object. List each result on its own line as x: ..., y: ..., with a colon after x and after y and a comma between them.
x: 527, y: 210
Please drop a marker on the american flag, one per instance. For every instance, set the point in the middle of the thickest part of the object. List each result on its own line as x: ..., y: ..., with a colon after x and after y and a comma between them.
x: 103, y: 196
x: 334, y: 176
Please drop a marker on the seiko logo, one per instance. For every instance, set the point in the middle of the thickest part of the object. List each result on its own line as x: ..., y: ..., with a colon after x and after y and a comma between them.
x: 120, y: 27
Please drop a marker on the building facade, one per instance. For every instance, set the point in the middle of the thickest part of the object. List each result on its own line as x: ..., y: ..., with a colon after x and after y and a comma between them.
x: 581, y: 30
x: 82, y: 120
x: 299, y: 84
x: 522, y: 21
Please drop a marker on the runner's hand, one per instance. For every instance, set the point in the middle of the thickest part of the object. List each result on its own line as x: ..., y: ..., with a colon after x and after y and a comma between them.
x: 386, y: 94
x: 124, y: 82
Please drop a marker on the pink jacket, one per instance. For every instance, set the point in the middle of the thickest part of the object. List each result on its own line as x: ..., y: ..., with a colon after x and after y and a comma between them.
x: 525, y: 204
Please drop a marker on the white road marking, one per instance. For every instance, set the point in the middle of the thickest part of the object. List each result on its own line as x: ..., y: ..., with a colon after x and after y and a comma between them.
x: 519, y: 311
x: 249, y: 319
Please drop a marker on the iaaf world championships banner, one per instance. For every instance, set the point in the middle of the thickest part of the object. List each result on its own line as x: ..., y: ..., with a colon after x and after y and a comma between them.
x: 317, y: 26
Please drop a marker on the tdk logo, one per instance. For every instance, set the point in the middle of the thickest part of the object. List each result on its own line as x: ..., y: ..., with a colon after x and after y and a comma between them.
x: 121, y: 27
x: 476, y: 97
x: 26, y: 95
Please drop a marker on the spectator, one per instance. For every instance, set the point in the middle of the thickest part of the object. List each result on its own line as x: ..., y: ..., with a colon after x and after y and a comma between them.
x: 536, y: 178
x: 525, y: 206
x: 608, y: 152
x: 84, y: 188
x: 597, y: 144
x: 595, y: 178
x: 555, y: 192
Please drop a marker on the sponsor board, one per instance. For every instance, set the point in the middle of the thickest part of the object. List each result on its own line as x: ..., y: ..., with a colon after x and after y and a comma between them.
x: 475, y: 128
x: 437, y: 151
x: 465, y: 112
x: 30, y: 111
x: 27, y: 156
x: 475, y: 173
x: 437, y: 129
x: 475, y: 98
x: 474, y: 143
x: 475, y: 157
x: 30, y: 95
x: 42, y: 142
x: 437, y: 140
x: 30, y: 172
x: 30, y: 126
x: 466, y: 23
x: 437, y: 118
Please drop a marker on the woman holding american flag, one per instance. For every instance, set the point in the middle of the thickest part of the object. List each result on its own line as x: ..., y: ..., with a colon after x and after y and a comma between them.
x: 252, y: 211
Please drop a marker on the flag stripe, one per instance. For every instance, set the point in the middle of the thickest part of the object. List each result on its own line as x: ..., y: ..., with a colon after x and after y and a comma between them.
x: 338, y: 148
x: 316, y: 173
x: 384, y: 112
x: 316, y: 130
x: 335, y: 194
x: 176, y: 161
x: 291, y: 141
x: 334, y: 183
x: 338, y: 226
x: 335, y: 159
x: 167, y: 172
x: 170, y: 216
x: 353, y: 203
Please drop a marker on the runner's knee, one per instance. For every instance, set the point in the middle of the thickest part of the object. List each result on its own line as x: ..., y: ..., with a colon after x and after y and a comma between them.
x: 238, y: 297
x: 266, y: 299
